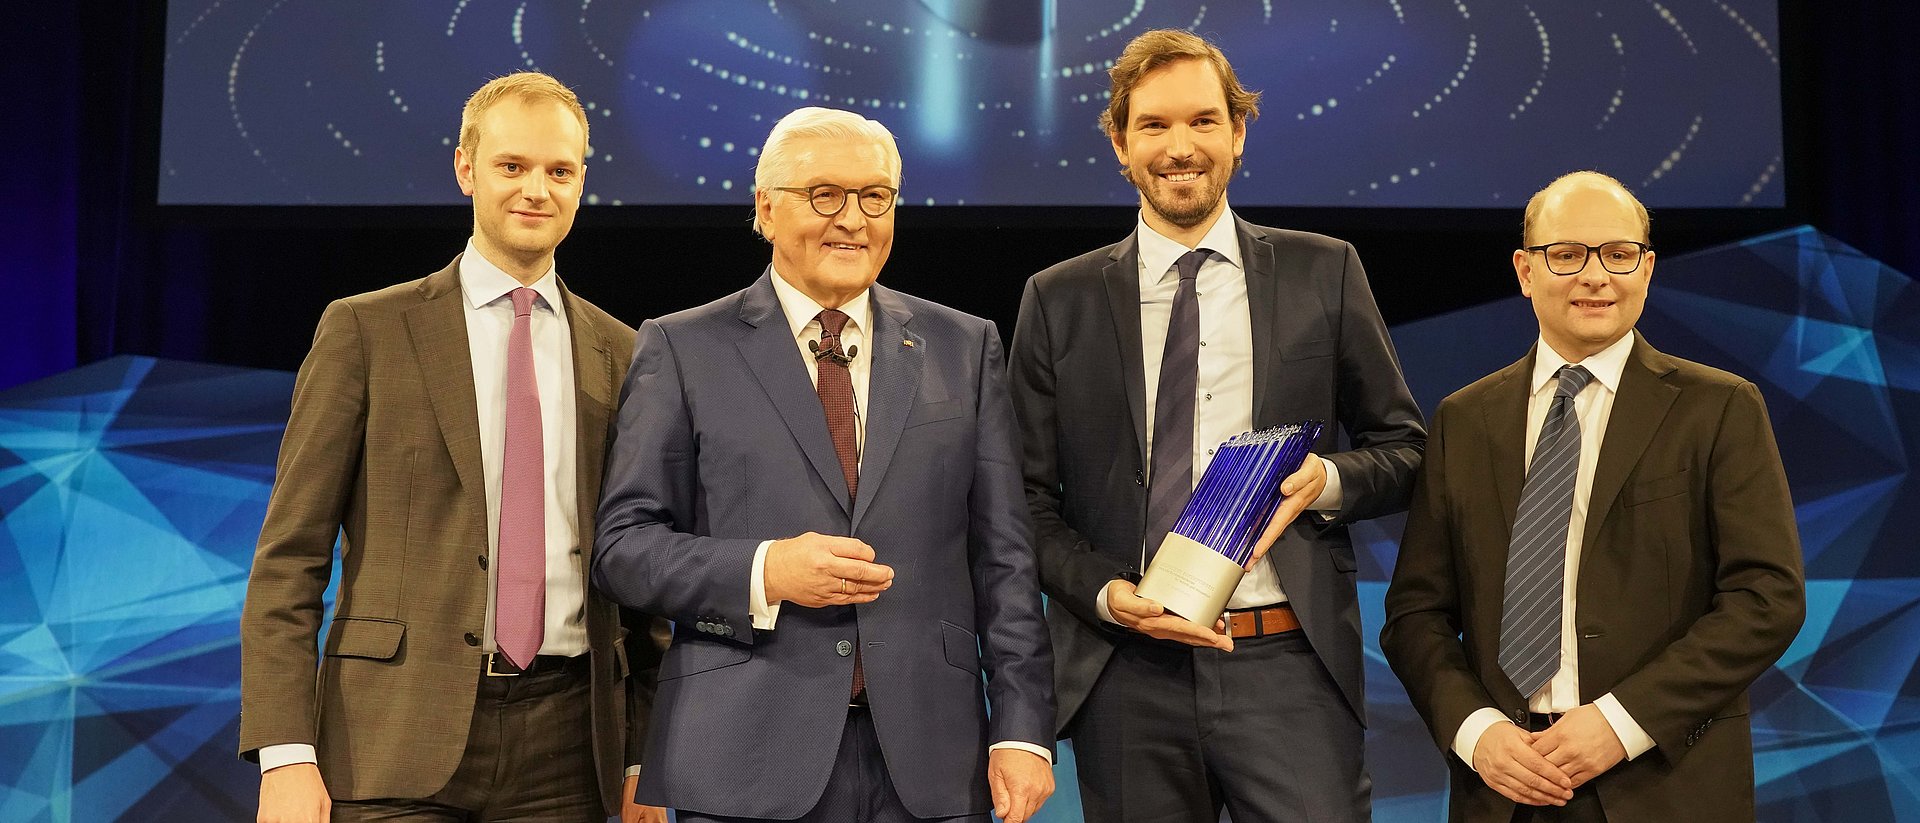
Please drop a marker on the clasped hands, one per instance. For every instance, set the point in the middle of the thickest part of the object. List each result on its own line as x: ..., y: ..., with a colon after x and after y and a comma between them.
x: 1543, y: 768
x: 816, y: 570
x: 1301, y: 489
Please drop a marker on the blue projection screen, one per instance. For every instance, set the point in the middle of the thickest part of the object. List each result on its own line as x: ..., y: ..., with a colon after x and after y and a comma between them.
x: 1412, y: 103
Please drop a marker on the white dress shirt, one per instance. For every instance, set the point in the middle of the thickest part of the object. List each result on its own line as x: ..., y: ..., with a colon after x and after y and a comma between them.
x: 1223, y: 399
x: 1594, y: 406
x: 485, y: 291
x: 803, y: 318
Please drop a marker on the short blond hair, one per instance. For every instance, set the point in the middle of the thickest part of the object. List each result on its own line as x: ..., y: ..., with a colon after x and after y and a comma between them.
x: 527, y: 85
x: 778, y: 166
x: 1159, y: 47
x: 1538, y: 202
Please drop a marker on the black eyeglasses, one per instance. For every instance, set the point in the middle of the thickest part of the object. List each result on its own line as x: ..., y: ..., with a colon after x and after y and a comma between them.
x: 829, y: 200
x: 1617, y: 257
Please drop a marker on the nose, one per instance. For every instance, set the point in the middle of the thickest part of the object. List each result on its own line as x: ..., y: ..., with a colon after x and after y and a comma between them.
x: 534, y: 187
x: 1179, y: 141
x: 1593, y: 274
x: 850, y: 218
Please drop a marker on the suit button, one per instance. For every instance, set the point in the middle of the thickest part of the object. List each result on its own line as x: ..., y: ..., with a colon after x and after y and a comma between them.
x: 726, y: 631
x: 703, y: 626
x: 483, y: 561
x: 844, y: 648
x: 472, y: 640
x: 1138, y: 478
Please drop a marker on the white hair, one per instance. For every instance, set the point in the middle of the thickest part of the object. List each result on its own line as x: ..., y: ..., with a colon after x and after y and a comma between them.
x: 778, y: 165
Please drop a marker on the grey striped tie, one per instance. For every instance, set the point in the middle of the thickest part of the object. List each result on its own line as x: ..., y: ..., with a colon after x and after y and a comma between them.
x: 1171, y: 481
x: 1537, y: 556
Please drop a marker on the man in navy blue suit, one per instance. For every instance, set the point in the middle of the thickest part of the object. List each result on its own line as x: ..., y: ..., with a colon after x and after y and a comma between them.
x: 816, y: 478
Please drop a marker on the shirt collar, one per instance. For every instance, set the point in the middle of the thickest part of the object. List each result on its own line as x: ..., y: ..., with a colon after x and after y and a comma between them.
x: 1158, y: 252
x: 1605, y: 366
x: 801, y: 310
x: 482, y: 282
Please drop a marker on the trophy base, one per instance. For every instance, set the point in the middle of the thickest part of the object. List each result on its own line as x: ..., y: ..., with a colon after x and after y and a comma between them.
x: 1190, y: 579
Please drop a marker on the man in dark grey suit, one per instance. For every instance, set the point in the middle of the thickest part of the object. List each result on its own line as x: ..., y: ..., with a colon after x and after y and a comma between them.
x: 816, y: 478
x: 1217, y: 326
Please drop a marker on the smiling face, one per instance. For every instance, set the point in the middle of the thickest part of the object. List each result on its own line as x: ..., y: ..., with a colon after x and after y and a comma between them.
x: 829, y: 259
x: 1581, y: 314
x: 1179, y: 146
x: 525, y: 177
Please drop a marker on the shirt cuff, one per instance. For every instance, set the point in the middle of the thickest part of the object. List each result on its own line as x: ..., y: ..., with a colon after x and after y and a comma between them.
x: 1632, y: 738
x: 1468, y: 737
x: 1025, y: 747
x: 764, y: 615
x: 287, y: 754
x: 632, y: 771
x: 1330, y: 496
x: 1100, y: 607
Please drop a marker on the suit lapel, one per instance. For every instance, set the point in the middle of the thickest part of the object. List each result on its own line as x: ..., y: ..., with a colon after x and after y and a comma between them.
x: 1263, y: 310
x: 437, y: 327
x: 593, y: 393
x: 1122, y: 276
x: 1506, y: 422
x: 771, y: 352
x: 890, y: 392
x: 1639, y: 407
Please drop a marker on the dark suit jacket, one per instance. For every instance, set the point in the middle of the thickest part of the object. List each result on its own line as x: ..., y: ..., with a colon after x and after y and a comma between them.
x: 1320, y: 351
x: 721, y: 443
x: 384, y: 443
x: 1690, y: 583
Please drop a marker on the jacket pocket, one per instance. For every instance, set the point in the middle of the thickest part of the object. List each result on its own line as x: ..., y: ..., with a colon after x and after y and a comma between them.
x: 367, y: 637
x: 936, y: 411
x: 1306, y: 349
x: 1659, y: 488
x: 695, y: 655
x: 962, y: 647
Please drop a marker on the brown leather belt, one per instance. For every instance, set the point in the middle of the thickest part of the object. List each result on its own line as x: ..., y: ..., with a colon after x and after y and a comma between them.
x: 1259, y: 622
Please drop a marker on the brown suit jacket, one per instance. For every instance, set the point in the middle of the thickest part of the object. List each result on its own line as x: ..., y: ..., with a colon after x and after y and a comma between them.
x: 384, y: 444
x: 1690, y: 580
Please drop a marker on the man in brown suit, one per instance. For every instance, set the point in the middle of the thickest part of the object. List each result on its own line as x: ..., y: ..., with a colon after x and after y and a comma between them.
x: 454, y: 427
x: 1601, y: 554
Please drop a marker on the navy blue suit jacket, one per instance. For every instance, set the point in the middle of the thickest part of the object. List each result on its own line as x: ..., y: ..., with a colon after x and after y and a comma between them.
x: 720, y: 444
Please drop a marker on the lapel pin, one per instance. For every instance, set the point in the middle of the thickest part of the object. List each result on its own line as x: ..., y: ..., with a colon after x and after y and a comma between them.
x: 907, y: 343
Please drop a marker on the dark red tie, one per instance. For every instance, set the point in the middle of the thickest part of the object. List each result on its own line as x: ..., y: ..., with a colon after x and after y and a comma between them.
x: 835, y: 387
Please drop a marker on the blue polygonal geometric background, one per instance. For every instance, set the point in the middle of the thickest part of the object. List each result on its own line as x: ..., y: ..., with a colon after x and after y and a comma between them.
x: 131, y: 492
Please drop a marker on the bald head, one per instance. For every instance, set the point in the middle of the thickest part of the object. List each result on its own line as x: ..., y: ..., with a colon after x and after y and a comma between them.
x: 1581, y: 192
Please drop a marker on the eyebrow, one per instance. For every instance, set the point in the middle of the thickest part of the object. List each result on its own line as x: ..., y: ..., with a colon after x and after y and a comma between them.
x: 514, y: 157
x: 1210, y: 111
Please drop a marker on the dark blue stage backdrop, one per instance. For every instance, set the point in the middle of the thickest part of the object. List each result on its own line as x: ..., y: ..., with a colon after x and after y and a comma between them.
x: 1386, y: 103
x: 132, y: 491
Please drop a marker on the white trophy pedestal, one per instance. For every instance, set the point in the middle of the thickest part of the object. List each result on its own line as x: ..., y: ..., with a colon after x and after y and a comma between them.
x: 1190, y: 579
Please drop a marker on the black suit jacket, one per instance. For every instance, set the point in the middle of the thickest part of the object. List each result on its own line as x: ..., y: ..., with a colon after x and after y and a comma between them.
x: 1690, y: 582
x: 1321, y: 352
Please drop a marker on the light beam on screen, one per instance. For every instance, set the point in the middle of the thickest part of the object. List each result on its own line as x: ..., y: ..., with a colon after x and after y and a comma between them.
x: 1043, y: 93
x: 938, y: 120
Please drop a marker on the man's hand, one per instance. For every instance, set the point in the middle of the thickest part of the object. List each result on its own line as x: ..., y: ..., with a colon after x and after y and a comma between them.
x: 817, y: 570
x: 294, y: 793
x: 1301, y: 489
x: 1151, y: 619
x: 631, y: 812
x: 1020, y: 781
x: 1505, y: 759
x: 1582, y: 744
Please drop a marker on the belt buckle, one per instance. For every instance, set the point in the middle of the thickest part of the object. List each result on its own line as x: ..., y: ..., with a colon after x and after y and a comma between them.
x: 488, y: 669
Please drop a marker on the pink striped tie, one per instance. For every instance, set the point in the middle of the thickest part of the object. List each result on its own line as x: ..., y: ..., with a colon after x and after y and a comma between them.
x: 520, y: 606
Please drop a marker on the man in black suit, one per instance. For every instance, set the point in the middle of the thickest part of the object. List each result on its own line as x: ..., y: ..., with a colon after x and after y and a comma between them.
x: 1217, y: 326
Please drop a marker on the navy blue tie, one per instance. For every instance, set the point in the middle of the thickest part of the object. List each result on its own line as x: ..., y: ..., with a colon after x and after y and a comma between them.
x: 1530, y: 616
x: 1171, y: 481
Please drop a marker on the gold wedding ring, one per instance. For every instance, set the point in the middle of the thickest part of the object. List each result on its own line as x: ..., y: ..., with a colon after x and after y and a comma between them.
x: 843, y: 585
